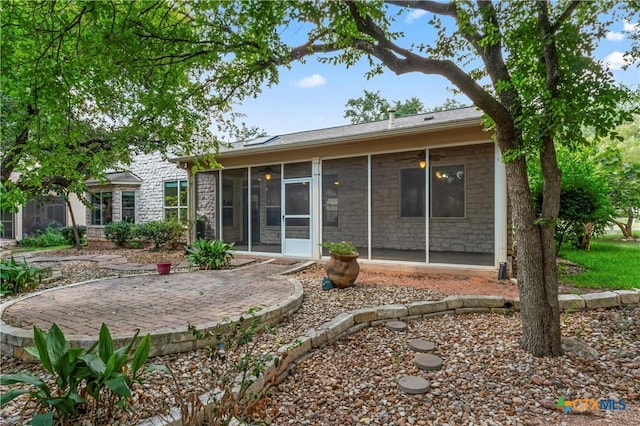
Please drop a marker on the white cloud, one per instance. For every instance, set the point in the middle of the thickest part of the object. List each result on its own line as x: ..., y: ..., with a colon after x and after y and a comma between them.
x: 415, y: 15
x: 613, y: 36
x: 311, y: 81
x: 615, y: 60
x: 628, y: 26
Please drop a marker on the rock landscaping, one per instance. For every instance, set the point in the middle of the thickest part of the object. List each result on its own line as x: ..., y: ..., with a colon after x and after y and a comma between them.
x: 361, y: 372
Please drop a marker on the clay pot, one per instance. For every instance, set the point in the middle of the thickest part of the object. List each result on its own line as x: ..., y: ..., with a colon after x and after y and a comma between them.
x: 342, y: 269
x: 163, y: 267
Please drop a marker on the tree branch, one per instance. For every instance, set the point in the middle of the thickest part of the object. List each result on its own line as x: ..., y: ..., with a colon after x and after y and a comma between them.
x: 448, y: 9
x: 567, y: 12
x: 386, y: 52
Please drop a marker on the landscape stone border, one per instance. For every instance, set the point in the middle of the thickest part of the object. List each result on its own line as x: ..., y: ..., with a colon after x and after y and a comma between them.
x: 353, y: 321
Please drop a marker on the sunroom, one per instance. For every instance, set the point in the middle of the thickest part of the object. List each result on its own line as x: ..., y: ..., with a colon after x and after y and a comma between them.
x: 426, y: 189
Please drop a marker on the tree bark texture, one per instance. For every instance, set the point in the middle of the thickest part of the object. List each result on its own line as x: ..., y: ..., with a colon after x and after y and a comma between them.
x: 626, y: 228
x: 538, y: 287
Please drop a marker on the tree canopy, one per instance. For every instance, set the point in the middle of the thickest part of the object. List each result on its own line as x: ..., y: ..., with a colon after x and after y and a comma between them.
x: 149, y: 74
x: 86, y: 85
x: 372, y: 106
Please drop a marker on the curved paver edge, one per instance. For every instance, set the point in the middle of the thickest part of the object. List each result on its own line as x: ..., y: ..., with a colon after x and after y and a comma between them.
x: 353, y: 321
x: 164, y: 341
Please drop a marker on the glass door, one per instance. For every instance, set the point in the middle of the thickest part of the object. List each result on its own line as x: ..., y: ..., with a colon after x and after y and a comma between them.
x: 296, y: 220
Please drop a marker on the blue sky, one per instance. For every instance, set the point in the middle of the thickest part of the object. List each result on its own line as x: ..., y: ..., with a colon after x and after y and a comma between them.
x: 313, y: 95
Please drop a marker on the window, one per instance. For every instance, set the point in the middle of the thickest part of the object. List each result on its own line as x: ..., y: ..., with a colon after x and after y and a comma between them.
x: 102, y: 212
x: 175, y: 200
x: 330, y: 185
x: 227, y: 202
x: 412, y: 191
x: 6, y: 219
x: 447, y: 191
x: 128, y: 213
x: 273, y: 202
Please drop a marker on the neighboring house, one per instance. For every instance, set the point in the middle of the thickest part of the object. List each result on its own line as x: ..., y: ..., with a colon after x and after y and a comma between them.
x: 39, y: 214
x: 426, y: 189
x: 151, y: 189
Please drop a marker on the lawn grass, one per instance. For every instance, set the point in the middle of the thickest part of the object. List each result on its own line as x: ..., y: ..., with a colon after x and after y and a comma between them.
x: 609, y: 264
x: 22, y: 249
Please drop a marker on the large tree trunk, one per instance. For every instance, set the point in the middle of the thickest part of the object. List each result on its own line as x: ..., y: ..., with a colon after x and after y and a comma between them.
x: 538, y: 287
x: 76, y: 235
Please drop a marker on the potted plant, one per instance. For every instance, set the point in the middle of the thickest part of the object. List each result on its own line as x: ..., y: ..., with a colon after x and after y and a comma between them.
x: 342, y: 267
x: 164, y: 267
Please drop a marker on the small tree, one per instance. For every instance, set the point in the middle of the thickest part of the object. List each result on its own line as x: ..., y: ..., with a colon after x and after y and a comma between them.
x: 585, y: 205
x: 372, y: 107
x: 622, y: 172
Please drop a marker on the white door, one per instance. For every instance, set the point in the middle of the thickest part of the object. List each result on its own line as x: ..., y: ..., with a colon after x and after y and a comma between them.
x: 296, y: 220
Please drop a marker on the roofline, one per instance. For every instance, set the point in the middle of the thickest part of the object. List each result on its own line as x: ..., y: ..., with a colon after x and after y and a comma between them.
x: 114, y: 183
x: 335, y: 140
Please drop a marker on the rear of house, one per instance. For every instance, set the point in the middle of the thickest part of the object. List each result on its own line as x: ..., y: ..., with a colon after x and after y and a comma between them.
x: 428, y: 189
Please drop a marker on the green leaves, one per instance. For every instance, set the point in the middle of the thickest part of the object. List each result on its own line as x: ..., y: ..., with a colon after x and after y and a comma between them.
x: 16, y: 277
x: 75, y: 367
x: 209, y: 255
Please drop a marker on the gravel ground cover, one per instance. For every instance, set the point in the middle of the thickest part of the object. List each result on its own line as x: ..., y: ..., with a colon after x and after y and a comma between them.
x: 486, y: 378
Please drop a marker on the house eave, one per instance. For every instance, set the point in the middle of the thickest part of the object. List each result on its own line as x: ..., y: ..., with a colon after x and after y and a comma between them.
x: 335, y: 140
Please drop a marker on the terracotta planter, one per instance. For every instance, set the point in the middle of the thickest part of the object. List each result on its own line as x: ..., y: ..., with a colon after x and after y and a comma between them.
x: 163, y: 267
x: 342, y: 269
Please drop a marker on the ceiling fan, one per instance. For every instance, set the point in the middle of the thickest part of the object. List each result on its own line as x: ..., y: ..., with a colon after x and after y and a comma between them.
x: 420, y: 158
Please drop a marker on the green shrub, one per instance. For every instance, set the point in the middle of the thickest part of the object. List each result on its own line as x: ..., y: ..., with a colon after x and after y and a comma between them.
x: 163, y: 233
x: 16, y: 277
x: 77, y: 373
x: 120, y: 232
x: 67, y: 233
x: 208, y: 255
x: 50, y: 238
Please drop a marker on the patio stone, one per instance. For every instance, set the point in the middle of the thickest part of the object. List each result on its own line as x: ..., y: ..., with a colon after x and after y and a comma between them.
x: 428, y: 362
x: 421, y: 345
x: 414, y: 385
x: 396, y: 325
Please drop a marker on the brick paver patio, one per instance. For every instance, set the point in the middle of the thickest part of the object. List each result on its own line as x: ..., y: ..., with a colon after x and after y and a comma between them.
x: 152, y: 302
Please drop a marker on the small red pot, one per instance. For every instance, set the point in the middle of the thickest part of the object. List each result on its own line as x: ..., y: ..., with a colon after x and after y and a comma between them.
x: 163, y: 267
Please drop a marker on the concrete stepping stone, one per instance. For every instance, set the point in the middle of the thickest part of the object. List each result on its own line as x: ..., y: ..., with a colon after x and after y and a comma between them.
x: 413, y: 385
x: 421, y: 345
x: 427, y: 361
x: 395, y: 325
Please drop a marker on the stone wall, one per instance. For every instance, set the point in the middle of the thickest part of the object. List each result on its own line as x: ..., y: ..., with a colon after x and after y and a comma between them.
x: 153, y: 171
x: 475, y: 232
x: 472, y: 233
x: 206, y: 217
x: 351, y: 174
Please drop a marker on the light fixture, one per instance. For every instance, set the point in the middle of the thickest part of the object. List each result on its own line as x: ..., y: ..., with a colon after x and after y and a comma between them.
x: 268, y: 173
x: 336, y: 182
x: 422, y: 160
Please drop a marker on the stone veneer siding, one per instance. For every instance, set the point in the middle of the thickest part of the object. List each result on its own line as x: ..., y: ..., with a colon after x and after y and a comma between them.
x: 153, y: 171
x: 206, y: 184
x: 352, y: 200
x: 473, y: 233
